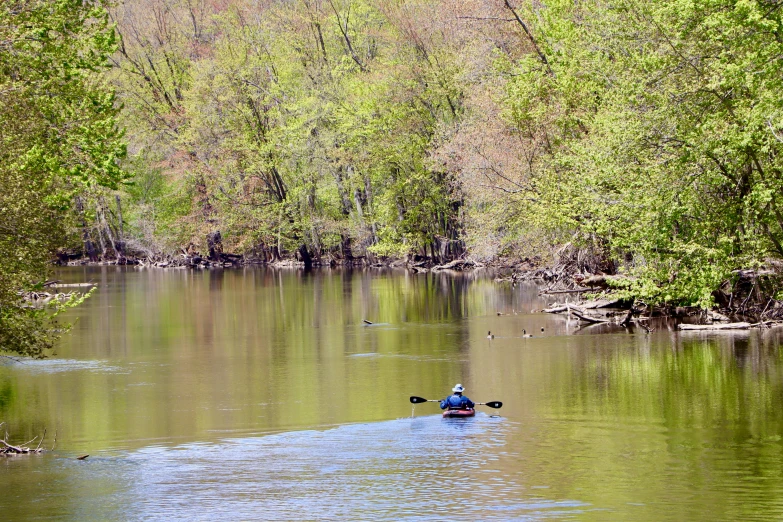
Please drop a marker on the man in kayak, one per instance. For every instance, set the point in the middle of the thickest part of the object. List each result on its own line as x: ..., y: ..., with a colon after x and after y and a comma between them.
x: 457, y: 401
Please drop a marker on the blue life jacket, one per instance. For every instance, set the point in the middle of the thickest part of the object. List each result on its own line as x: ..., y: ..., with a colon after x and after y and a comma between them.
x: 456, y: 402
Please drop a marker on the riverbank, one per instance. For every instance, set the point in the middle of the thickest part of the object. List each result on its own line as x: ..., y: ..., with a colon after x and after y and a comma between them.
x: 196, y: 260
x: 749, y: 296
x: 747, y: 301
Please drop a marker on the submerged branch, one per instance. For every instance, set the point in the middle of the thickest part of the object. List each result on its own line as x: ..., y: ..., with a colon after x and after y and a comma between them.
x: 8, y: 449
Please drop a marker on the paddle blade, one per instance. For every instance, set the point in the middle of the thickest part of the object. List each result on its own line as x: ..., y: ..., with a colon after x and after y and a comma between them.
x: 494, y: 404
x: 417, y: 400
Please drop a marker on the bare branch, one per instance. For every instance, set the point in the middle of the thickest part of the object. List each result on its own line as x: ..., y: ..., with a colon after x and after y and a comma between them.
x: 344, y: 31
x: 540, y: 53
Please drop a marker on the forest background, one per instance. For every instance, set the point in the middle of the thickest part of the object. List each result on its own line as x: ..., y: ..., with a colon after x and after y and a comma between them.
x: 638, y: 138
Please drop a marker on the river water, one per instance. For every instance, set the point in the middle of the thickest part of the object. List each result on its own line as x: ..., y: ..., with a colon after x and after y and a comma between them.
x: 262, y: 395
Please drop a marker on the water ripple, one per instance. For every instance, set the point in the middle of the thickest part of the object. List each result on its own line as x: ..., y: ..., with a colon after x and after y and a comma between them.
x: 414, y: 468
x: 65, y: 365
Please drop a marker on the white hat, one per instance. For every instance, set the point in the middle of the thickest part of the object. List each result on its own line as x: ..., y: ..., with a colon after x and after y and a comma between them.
x: 458, y: 388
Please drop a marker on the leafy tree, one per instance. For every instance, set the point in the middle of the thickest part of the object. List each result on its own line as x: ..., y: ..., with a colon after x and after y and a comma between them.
x: 660, y: 123
x: 296, y: 127
x: 59, y: 135
x: 648, y: 132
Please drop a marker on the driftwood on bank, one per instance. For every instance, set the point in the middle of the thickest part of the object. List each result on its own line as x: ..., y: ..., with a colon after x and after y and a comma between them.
x: 573, y: 291
x: 582, y: 314
x: 729, y: 326
x: 721, y: 326
x: 579, y: 311
x: 626, y: 319
x: 587, y: 305
x: 623, y: 318
x: 746, y: 297
x: 457, y: 264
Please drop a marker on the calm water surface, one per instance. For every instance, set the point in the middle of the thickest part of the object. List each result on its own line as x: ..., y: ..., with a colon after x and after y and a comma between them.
x: 261, y: 395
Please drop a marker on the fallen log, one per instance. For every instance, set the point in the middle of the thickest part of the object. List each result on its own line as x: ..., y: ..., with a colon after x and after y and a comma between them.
x: 13, y: 449
x: 589, y: 305
x: 726, y: 326
x: 581, y: 314
x: 457, y: 264
x: 574, y: 291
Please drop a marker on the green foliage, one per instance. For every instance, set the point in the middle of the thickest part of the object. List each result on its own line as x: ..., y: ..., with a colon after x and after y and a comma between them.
x: 33, y: 331
x: 648, y: 132
x: 662, y: 138
x: 59, y: 136
x: 293, y: 124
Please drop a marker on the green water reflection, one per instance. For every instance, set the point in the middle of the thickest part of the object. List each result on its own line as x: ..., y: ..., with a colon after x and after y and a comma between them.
x: 633, y: 426
x: 179, y: 355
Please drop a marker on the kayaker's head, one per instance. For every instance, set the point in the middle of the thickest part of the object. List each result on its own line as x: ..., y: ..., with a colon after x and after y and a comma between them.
x: 458, y: 389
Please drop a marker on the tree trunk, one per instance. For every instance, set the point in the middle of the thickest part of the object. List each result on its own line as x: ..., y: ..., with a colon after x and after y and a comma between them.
x: 120, y: 243
x: 345, y: 248
x: 433, y: 253
x: 306, y: 259
x: 89, y: 246
x: 104, y: 223
x: 215, y: 245
x: 346, y: 203
x: 357, y: 199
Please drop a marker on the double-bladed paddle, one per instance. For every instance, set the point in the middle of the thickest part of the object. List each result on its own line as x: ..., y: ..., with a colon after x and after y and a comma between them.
x: 493, y: 404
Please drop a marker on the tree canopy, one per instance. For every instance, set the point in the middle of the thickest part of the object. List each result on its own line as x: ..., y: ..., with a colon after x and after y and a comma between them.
x: 663, y: 136
x: 59, y: 136
x: 644, y: 133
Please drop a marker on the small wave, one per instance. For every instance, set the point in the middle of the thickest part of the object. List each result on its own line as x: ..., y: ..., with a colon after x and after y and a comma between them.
x: 64, y: 365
